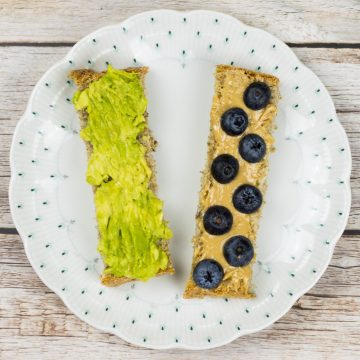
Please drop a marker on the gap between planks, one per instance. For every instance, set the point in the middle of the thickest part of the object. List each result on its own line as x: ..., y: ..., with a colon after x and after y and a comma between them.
x: 312, y: 45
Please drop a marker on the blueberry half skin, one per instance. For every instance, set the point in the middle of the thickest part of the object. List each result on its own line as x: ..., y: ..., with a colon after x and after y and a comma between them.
x: 224, y: 168
x: 257, y: 95
x: 238, y: 251
x: 252, y: 148
x: 208, y: 274
x: 234, y: 121
x: 217, y: 220
x: 247, y: 199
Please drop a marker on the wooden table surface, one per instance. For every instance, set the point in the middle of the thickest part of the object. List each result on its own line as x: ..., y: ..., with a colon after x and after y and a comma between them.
x: 324, y: 323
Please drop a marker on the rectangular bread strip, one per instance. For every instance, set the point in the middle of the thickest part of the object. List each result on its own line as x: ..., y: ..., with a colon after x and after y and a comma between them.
x: 230, y: 84
x: 83, y: 78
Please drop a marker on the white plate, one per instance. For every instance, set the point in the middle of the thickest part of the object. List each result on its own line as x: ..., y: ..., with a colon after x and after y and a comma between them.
x: 308, y: 200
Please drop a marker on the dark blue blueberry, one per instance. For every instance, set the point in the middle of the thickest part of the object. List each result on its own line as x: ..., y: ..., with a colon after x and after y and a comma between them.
x: 234, y: 121
x: 247, y: 199
x: 224, y: 168
x: 217, y: 220
x: 252, y: 148
x: 238, y: 251
x: 208, y: 274
x: 257, y: 95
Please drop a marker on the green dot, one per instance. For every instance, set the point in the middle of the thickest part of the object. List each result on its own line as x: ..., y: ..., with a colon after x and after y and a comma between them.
x: 245, y: 33
x: 204, y: 316
x: 259, y: 67
x: 191, y: 328
x: 276, y: 67
x: 210, y: 46
x: 114, y: 326
x: 114, y: 46
x: 127, y: 298
x: 198, y: 33
x: 86, y: 312
x: 46, y: 84
x: 89, y: 61
x: 290, y: 293
x: 238, y: 327
x: 247, y: 311
x: 274, y: 46
x: 124, y: 29
x: 216, y: 20
x: 162, y: 328
x: 157, y: 45
x: 231, y: 63
x: 292, y: 274
x: 87, y: 268
x: 94, y: 40
x: 184, y: 19
x: 267, y: 315
x: 227, y: 39
x: 100, y: 292
x: 169, y: 32
x: 209, y: 340
x: 252, y: 51
x: 152, y: 19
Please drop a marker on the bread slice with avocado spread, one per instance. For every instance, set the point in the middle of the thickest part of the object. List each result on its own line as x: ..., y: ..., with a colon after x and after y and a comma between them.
x: 133, y: 236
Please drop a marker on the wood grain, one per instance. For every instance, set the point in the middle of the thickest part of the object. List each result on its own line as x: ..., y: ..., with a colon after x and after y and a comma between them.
x: 68, y: 21
x: 339, y: 69
x: 326, y: 319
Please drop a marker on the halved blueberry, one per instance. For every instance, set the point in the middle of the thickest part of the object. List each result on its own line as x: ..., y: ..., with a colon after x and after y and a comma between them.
x: 208, y: 274
x: 247, y: 199
x: 224, y: 168
x: 238, y: 251
x: 234, y: 121
x: 217, y: 220
x: 252, y: 148
x: 257, y: 95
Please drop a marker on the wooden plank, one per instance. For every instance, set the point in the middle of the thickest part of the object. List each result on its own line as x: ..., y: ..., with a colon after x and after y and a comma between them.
x: 292, y: 21
x: 325, y: 323
x: 338, y: 69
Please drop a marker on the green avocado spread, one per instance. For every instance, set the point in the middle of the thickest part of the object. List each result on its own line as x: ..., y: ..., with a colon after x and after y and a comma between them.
x: 129, y: 214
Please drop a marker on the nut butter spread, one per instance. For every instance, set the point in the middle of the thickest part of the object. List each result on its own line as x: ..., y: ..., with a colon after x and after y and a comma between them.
x: 241, y: 124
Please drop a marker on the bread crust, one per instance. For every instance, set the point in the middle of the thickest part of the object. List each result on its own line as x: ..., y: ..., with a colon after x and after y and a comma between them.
x: 83, y: 78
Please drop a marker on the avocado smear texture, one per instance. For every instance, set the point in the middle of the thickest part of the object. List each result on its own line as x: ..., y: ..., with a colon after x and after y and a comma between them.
x: 129, y: 214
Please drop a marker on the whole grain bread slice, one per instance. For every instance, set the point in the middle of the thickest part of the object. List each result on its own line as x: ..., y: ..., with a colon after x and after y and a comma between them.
x: 83, y: 78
